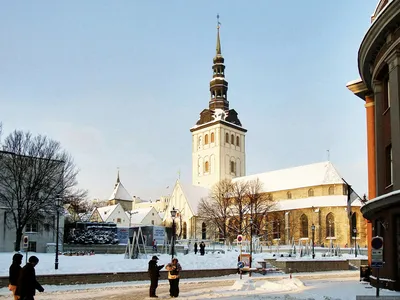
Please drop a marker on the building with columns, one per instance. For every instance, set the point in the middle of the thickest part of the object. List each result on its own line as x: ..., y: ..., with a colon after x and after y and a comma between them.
x: 379, y: 68
x: 313, y: 194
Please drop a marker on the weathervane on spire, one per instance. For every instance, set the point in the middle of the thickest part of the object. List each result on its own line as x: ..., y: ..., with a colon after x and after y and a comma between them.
x: 218, y: 22
x: 218, y: 49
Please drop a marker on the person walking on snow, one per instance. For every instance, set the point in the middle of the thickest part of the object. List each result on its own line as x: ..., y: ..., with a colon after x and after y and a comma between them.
x: 195, y: 248
x: 154, y: 273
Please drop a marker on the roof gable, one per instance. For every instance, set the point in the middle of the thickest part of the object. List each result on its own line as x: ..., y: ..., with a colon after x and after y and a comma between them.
x: 120, y: 193
x: 106, y: 211
x: 139, y: 214
x: 193, y: 195
x: 323, y: 173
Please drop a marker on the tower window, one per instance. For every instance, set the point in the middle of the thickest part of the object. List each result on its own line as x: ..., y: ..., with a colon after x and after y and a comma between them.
x: 331, y: 190
x: 233, y: 167
x: 206, y: 139
x: 289, y: 195
x: 227, y: 138
x: 237, y: 141
x: 206, y: 167
x: 232, y: 139
x: 212, y: 137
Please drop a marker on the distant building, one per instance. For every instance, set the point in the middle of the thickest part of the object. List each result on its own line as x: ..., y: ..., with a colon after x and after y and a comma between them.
x: 110, y: 214
x: 144, y: 217
x: 120, y: 195
x: 379, y: 68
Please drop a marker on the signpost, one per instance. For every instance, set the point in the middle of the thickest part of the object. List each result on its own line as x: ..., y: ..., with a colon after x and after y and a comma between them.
x: 239, y: 239
x: 25, y: 245
x: 377, y: 258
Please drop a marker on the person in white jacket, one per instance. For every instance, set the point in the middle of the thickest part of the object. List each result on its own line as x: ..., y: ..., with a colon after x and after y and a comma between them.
x: 174, y: 269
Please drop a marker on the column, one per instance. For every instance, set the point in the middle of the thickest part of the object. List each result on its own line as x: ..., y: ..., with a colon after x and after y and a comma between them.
x: 370, y: 117
x: 379, y: 146
x: 394, y: 96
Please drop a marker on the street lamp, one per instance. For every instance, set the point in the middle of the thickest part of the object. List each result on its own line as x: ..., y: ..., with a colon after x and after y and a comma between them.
x: 251, y: 243
x: 173, y: 216
x: 58, y: 204
x: 313, y: 235
x: 355, y: 241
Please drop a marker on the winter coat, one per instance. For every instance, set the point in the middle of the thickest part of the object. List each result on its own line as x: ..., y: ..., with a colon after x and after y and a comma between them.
x: 27, y: 283
x: 154, y: 270
x: 14, y: 271
x: 173, y: 270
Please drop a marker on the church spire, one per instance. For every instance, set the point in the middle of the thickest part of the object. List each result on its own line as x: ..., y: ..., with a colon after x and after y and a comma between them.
x: 118, y: 181
x: 218, y: 48
x: 218, y: 84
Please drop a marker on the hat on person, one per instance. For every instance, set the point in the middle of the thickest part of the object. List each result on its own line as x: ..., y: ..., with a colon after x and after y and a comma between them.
x: 155, y: 257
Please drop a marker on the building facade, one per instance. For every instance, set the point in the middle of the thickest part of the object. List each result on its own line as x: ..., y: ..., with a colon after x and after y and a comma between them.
x: 379, y: 68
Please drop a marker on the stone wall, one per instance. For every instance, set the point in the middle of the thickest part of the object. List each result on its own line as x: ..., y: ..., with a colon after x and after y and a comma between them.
x: 297, y: 266
x: 63, y: 279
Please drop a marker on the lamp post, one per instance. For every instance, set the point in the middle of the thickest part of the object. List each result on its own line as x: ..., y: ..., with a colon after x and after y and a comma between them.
x: 313, y: 235
x: 251, y: 243
x: 355, y: 241
x: 58, y: 204
x: 173, y: 216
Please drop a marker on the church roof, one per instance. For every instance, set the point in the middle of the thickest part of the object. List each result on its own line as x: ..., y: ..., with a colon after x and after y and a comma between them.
x: 322, y: 173
x: 318, y: 201
x: 139, y: 214
x: 194, y: 194
x: 120, y: 193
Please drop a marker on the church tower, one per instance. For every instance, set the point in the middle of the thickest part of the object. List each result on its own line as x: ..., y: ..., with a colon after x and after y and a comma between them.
x: 218, y: 138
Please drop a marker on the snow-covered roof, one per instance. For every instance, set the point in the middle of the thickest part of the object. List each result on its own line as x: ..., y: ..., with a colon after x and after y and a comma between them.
x: 323, y: 173
x: 194, y: 194
x: 105, y: 211
x: 120, y: 193
x: 139, y: 214
x: 318, y: 201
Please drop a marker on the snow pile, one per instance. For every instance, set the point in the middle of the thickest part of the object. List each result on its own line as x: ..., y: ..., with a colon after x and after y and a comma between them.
x: 244, y: 285
x: 282, y: 285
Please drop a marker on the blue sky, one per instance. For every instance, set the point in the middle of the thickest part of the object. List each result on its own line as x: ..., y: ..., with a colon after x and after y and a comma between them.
x: 119, y: 83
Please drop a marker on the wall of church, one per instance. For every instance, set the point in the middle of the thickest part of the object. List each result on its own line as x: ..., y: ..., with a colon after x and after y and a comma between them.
x: 321, y: 190
x: 218, y: 152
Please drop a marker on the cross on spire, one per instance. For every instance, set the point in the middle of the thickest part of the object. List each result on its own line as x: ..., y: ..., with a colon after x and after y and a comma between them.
x: 218, y: 49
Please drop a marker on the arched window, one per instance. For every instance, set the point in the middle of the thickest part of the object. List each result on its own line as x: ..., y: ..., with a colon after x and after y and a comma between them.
x: 289, y: 195
x: 206, y: 139
x: 233, y: 167
x: 232, y: 139
x: 184, y: 233
x: 227, y: 138
x: 354, y: 224
x: 203, y: 231
x: 206, y: 167
x: 199, y: 141
x: 212, y: 137
x: 331, y: 190
x: 310, y: 193
x: 304, y: 226
x: 276, y: 229
x: 330, y: 225
x: 237, y: 141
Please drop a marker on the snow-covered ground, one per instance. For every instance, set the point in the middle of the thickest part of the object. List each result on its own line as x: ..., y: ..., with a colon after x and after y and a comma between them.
x: 331, y: 286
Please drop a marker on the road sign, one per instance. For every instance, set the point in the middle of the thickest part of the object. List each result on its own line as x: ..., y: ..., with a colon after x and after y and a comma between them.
x: 25, y: 242
x: 240, y: 264
x: 239, y: 238
x: 377, y: 252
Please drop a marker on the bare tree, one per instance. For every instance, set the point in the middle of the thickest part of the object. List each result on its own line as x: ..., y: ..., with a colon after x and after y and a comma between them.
x: 77, y: 206
x: 34, y: 171
x: 215, y: 209
x: 238, y: 207
x: 259, y: 203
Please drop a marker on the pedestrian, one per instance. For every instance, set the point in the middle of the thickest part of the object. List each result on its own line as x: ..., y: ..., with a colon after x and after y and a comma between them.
x: 27, y: 283
x: 154, y: 245
x: 154, y: 273
x: 202, y: 248
x: 14, y: 272
x: 173, y: 269
x: 195, y: 248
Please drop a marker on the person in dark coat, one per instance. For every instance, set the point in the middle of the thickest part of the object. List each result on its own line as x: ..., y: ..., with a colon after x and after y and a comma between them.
x: 14, y: 271
x: 202, y: 248
x: 154, y: 273
x: 27, y: 283
x: 195, y: 248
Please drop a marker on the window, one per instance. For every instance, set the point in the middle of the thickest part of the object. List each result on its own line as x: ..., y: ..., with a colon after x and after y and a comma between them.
x: 206, y: 167
x: 330, y: 225
x: 310, y: 193
x: 31, y: 227
x: 388, y: 165
x: 331, y: 190
x: 233, y: 167
x: 47, y: 227
x: 203, y: 231
x: 212, y: 137
x: 206, y: 139
x: 276, y: 229
x: 304, y: 226
x: 354, y: 224
x: 184, y: 231
x: 227, y: 138
x: 119, y: 220
x: 152, y: 222
x: 32, y: 246
x: 232, y: 139
x: 289, y: 195
x: 237, y: 141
